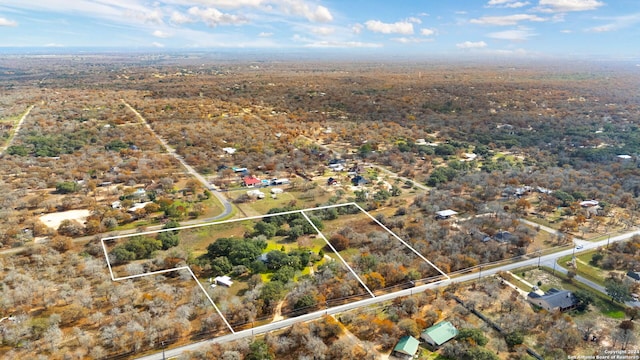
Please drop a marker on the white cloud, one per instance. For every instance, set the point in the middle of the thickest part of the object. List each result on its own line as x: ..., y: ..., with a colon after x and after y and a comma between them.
x: 512, y: 35
x: 357, y: 28
x: 7, y: 22
x: 410, y: 40
x: 511, y: 4
x: 506, y: 20
x: 53, y: 45
x: 301, y: 8
x: 427, y: 32
x: 265, y: 34
x: 157, y: 44
x: 323, y: 30
x: 400, y: 27
x: 214, y: 17
x: 471, y: 45
x: 568, y: 5
x: 566, y: 31
x: 342, y: 44
x: 617, y: 23
x: 414, y: 20
x: 161, y: 34
x: 180, y: 18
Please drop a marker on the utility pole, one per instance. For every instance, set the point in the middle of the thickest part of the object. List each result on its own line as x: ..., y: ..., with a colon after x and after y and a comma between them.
x: 539, y: 254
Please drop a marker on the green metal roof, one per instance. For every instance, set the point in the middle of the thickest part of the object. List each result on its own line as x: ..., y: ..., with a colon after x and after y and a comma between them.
x: 407, y: 345
x: 441, y: 332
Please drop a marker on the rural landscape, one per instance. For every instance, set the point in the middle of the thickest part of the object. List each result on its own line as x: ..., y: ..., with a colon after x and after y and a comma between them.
x: 211, y: 209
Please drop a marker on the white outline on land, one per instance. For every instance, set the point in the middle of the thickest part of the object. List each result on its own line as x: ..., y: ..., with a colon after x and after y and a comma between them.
x: 113, y: 278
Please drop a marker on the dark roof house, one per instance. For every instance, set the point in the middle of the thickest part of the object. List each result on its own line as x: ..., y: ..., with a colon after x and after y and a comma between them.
x: 503, y: 236
x: 359, y: 180
x: 634, y: 275
x: 554, y: 299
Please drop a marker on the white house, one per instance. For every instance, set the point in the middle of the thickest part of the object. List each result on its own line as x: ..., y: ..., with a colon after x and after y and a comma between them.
x: 276, y: 191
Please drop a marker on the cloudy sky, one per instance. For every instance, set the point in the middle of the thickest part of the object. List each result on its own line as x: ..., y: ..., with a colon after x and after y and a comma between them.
x: 609, y: 28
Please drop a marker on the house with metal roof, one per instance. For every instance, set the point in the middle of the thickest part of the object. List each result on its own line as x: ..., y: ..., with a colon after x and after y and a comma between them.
x: 406, y: 348
x: 439, y: 333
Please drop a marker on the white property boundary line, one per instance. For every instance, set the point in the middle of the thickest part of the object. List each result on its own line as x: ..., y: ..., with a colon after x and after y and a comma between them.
x: 111, y: 238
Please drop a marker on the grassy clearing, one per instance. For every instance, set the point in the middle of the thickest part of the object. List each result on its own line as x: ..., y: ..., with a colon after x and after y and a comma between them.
x: 584, y: 268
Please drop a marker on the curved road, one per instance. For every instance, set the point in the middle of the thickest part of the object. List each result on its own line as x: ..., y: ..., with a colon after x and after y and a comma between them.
x: 533, y: 261
x: 190, y: 170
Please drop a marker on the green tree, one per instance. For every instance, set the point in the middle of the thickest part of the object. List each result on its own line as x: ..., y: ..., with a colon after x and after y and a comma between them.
x: 169, y: 239
x: 67, y: 187
x: 271, y: 292
x: 514, y: 338
x: 259, y: 350
x: 283, y: 275
x: 565, y: 197
x: 306, y: 301
x: 618, y: 290
x: 18, y: 150
x: 266, y: 228
x: 120, y: 255
x: 583, y: 299
x: 595, y: 258
x: 220, y: 266
x: 473, y: 336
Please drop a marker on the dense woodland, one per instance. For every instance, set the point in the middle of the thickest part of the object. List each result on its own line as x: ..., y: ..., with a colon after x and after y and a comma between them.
x: 554, y: 126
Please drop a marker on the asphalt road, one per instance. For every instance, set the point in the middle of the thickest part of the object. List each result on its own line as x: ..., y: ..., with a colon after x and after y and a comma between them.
x: 546, y: 260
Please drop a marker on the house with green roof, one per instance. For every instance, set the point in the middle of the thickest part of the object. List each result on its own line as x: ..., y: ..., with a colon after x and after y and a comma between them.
x: 439, y: 333
x: 406, y: 348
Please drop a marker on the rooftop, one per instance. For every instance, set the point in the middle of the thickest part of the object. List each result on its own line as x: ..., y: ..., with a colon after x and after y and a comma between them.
x: 407, y: 345
x: 441, y: 332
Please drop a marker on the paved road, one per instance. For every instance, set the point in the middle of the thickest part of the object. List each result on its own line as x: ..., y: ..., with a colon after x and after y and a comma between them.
x: 541, y: 227
x: 190, y: 170
x: 547, y: 260
x: 16, y: 130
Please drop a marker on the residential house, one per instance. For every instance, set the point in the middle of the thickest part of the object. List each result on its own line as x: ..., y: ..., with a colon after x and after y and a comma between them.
x: 406, y: 348
x: 250, y: 181
x: 359, y: 180
x: 553, y: 300
x: 633, y: 276
x: 439, y: 333
x: 332, y: 181
x: 445, y: 214
x: 276, y: 191
x: 503, y: 236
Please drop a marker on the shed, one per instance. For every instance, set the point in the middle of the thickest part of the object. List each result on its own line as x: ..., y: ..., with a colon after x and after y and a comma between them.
x: 276, y: 191
x: 223, y: 280
x: 439, y: 333
x: 445, y: 214
x: 407, y: 347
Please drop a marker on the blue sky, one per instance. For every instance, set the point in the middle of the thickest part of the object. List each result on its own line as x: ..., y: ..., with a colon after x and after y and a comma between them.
x: 527, y: 28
